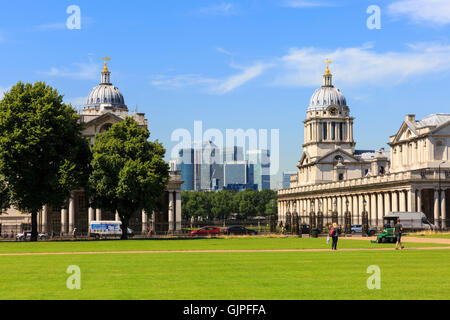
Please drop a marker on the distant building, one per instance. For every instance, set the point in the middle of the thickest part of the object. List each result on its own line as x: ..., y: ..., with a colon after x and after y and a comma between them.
x: 260, y: 160
x: 287, y: 178
x: 207, y: 167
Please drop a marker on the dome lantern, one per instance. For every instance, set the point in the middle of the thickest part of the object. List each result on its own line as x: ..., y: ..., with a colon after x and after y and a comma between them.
x: 105, y: 94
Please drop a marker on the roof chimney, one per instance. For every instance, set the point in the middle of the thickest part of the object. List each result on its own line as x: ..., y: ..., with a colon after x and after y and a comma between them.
x: 411, y: 117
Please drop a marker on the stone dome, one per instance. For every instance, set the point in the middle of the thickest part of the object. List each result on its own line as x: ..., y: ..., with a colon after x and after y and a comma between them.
x: 106, y: 94
x: 327, y: 95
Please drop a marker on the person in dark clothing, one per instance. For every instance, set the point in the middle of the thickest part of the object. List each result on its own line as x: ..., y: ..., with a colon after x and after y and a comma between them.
x: 398, y: 230
x: 334, y: 233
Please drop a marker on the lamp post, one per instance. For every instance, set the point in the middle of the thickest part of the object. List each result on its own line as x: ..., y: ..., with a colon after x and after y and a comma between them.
x: 319, y: 216
x: 365, y: 219
x: 348, y: 219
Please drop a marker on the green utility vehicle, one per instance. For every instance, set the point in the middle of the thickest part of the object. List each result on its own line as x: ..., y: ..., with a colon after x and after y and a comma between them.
x: 387, y: 236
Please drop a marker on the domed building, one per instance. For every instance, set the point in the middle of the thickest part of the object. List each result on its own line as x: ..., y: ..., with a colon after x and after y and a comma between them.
x: 104, y: 107
x: 337, y: 183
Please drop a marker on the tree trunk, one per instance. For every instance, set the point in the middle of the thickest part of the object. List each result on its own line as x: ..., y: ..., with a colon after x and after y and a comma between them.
x: 34, y: 231
x: 124, y: 227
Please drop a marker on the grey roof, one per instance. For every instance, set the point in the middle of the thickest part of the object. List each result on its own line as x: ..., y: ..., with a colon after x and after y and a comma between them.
x: 433, y: 120
x: 326, y: 96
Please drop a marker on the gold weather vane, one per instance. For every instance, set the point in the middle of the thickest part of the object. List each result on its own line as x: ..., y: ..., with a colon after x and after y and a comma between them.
x: 328, y: 62
x: 105, y: 68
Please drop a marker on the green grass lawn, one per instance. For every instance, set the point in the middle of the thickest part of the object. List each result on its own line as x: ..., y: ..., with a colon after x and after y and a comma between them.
x: 437, y: 235
x: 415, y: 274
x: 229, y: 276
x: 194, y: 244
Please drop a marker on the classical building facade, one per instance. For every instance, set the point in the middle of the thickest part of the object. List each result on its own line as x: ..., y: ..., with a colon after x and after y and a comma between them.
x: 333, y: 176
x: 105, y: 106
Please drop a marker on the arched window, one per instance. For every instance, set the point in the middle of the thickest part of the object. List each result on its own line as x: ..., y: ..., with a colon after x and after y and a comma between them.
x: 339, y: 158
x: 105, y: 127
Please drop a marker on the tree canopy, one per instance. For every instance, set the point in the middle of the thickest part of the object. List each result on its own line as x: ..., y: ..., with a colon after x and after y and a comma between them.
x: 222, y: 204
x: 42, y: 154
x: 129, y: 173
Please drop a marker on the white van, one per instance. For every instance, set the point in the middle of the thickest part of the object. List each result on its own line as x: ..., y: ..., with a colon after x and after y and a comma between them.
x: 413, y: 220
x: 99, y: 229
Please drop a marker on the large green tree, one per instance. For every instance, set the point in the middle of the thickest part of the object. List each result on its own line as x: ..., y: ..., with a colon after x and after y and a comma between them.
x: 129, y: 173
x: 42, y: 154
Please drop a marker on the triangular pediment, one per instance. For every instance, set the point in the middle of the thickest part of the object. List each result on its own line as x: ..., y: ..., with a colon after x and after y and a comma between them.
x: 335, y: 155
x: 107, y: 117
x: 406, y: 132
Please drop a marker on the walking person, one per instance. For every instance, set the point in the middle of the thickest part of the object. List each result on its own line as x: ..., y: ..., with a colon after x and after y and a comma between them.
x: 398, y: 230
x: 74, y: 233
x: 334, y: 234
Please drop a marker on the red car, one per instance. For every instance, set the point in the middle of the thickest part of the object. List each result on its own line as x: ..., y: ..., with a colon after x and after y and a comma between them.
x: 205, y: 231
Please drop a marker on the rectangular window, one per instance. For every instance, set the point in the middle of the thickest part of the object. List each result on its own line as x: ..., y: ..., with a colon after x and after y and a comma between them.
x: 341, y: 132
x: 325, y: 131
x: 333, y: 131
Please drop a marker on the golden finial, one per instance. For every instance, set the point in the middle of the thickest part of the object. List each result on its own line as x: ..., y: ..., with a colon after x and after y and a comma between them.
x: 105, y: 68
x: 327, y: 71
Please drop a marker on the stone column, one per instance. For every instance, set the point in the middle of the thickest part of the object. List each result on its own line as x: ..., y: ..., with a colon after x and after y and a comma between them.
x: 98, y: 215
x: 355, y: 210
x: 419, y: 200
x: 63, y: 221
x: 144, y: 222
x: 436, y: 208
x: 394, y: 201
x: 360, y: 208
x: 443, y: 209
x: 178, y: 211
x: 44, y: 218
x: 411, y: 200
x: 91, y: 216
x: 387, y: 203
x: 373, y: 209
x: 380, y: 209
x: 402, y: 200
x: 71, y: 214
x: 171, y: 211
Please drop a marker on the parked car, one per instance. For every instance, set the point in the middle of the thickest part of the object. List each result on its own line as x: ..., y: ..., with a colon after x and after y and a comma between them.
x: 238, y: 230
x: 357, y: 228
x: 27, y: 235
x: 205, y: 231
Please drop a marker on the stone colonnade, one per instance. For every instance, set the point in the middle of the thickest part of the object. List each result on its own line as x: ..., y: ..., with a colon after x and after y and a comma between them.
x: 68, y: 215
x: 378, y: 204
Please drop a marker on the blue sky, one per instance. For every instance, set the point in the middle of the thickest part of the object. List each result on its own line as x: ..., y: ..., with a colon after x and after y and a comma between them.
x: 238, y: 64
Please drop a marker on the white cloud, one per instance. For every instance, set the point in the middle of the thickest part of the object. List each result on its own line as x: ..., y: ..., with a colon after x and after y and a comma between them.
x: 433, y: 11
x: 305, y: 4
x: 212, y: 85
x: 181, y: 81
x: 235, y: 81
x: 84, y: 70
x: 361, y: 65
x: 51, y: 26
x: 222, y: 9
